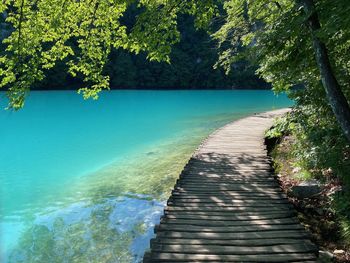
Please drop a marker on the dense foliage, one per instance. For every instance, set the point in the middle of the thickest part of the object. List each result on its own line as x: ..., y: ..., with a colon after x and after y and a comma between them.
x: 82, y: 34
x: 319, y: 151
x: 191, y: 67
x: 279, y: 41
x: 277, y: 37
x: 95, y: 45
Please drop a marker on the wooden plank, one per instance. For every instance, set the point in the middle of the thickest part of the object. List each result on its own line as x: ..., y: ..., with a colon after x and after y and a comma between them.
x: 228, y: 213
x: 236, y: 146
x: 227, y: 199
x: 228, y: 169
x: 201, y: 261
x: 238, y: 180
x: 179, y: 257
x: 226, y: 229
x: 205, y: 183
x: 238, y: 235
x: 228, y: 175
x: 217, y: 200
x: 231, y: 174
x: 230, y: 161
x: 232, y: 187
x: 227, y: 178
x: 202, y: 222
x: 225, y: 205
x: 225, y: 209
x: 228, y: 156
x: 227, y: 151
x: 230, y: 217
x: 228, y: 187
x: 262, y: 159
x: 236, y: 195
x: 232, y: 242
x: 302, y: 247
x: 239, y: 165
x: 231, y: 190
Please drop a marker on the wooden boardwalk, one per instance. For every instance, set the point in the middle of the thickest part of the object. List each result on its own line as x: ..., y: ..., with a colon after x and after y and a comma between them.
x: 228, y: 207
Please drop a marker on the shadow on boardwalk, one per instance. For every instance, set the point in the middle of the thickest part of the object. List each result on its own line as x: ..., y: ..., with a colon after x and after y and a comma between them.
x: 228, y: 207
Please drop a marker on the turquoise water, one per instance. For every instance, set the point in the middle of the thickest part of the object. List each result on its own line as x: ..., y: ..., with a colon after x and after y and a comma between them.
x: 85, y: 181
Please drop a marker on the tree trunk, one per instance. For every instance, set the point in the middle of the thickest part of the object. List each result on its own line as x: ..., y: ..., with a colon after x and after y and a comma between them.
x: 336, y: 98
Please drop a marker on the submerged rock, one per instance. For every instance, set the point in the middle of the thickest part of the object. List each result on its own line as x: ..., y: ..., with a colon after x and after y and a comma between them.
x: 306, y: 189
x: 338, y: 252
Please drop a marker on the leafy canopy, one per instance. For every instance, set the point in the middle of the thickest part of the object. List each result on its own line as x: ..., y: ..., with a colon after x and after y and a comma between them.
x: 82, y: 34
x: 276, y: 37
x: 272, y: 34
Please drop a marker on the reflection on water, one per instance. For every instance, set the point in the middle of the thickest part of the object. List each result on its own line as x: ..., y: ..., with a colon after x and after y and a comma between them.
x: 118, y: 207
x: 115, y: 230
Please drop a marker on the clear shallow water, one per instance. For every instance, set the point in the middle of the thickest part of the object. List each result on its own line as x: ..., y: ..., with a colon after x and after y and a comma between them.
x: 85, y: 181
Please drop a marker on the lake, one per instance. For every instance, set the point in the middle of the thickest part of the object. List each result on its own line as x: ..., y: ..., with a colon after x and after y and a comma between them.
x: 86, y: 181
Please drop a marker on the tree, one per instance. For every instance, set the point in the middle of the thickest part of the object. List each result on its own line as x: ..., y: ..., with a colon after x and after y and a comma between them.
x: 286, y: 40
x: 336, y: 97
x: 43, y: 32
